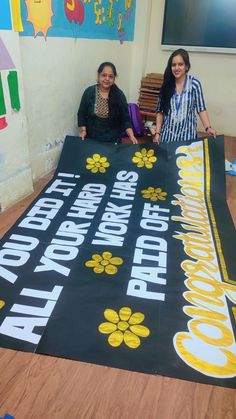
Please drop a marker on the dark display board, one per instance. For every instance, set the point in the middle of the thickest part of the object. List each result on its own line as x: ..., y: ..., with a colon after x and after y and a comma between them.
x: 202, y: 24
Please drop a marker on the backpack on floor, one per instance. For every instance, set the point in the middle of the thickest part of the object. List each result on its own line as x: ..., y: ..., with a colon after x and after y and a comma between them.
x: 136, y: 120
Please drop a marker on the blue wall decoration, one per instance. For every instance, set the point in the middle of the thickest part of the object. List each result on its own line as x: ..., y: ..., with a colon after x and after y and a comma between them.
x: 5, y: 15
x: 101, y: 19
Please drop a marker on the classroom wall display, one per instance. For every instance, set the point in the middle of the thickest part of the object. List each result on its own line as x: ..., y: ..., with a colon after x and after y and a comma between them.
x: 3, y: 121
x: 127, y: 259
x: 5, y: 15
x: 16, y: 15
x: 6, y: 63
x: 101, y: 19
x: 10, y: 15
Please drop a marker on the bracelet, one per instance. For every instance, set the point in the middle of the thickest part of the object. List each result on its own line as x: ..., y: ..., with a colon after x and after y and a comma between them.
x: 207, y: 128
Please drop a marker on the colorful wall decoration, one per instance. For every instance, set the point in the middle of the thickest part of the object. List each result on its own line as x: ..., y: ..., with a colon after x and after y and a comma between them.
x: 5, y: 15
x: 10, y: 19
x: 3, y: 122
x: 101, y: 19
x: 10, y: 15
x: 6, y: 63
x: 16, y: 15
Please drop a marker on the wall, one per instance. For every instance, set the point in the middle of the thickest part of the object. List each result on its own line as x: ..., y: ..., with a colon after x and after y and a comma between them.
x: 140, y: 47
x: 53, y: 73
x: 215, y: 71
x: 15, y: 169
x: 56, y: 72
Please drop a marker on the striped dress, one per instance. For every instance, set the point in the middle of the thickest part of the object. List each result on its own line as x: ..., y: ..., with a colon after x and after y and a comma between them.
x: 181, y: 122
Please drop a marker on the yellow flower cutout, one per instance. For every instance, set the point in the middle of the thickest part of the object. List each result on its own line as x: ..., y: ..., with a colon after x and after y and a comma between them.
x: 2, y: 304
x: 124, y: 326
x: 97, y: 163
x: 144, y: 158
x: 106, y: 263
x: 154, y: 194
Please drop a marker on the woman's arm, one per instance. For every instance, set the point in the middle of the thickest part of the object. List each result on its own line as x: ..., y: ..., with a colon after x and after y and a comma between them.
x: 159, y: 120
x: 131, y: 136
x: 201, y: 108
x: 83, y: 132
x: 83, y: 113
x: 203, y: 115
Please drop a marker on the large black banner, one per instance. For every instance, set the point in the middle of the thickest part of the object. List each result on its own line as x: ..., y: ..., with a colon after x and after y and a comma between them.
x: 127, y: 259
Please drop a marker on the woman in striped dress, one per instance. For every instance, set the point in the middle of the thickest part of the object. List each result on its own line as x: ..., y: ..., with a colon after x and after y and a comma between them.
x: 181, y: 97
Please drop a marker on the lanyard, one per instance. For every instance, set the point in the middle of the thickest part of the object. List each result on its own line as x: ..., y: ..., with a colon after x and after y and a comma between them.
x: 178, y: 102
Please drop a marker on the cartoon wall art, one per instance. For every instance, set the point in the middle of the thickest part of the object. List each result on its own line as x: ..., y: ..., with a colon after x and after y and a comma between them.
x: 75, y: 13
x: 6, y: 63
x: 100, y: 19
x: 39, y: 14
x: 10, y: 15
x: 5, y: 15
x: 16, y: 15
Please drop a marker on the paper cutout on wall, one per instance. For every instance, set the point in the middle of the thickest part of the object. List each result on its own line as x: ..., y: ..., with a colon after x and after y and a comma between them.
x: 5, y: 15
x: 99, y: 12
x: 3, y: 122
x: 6, y: 62
x: 40, y: 14
x: 16, y: 15
x: 100, y: 19
x: 2, y: 100
x: 13, y: 90
x: 120, y: 28
x: 74, y: 10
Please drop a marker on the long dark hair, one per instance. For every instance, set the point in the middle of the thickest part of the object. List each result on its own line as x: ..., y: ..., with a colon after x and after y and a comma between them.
x: 168, y: 86
x: 114, y: 96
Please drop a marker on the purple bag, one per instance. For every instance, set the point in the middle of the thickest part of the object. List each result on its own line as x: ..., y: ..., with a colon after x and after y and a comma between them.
x: 136, y: 120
